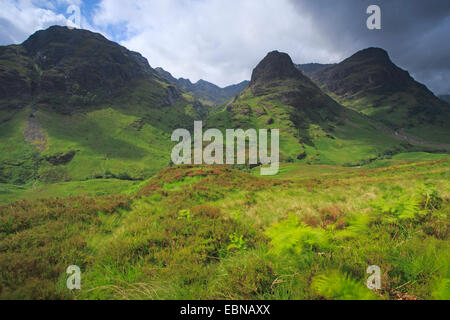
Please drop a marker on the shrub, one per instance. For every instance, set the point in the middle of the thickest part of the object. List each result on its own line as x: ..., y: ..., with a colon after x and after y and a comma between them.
x: 292, y: 237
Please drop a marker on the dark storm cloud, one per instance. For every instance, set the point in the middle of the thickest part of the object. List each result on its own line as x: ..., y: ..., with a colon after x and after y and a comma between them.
x: 416, y: 33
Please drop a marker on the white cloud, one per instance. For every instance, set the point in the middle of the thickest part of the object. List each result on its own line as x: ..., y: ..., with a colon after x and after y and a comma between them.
x: 18, y: 19
x: 219, y: 41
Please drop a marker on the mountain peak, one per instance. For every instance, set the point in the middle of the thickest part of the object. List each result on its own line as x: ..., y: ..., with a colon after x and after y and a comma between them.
x: 62, y: 35
x: 373, y: 54
x: 275, y: 66
x: 74, y: 62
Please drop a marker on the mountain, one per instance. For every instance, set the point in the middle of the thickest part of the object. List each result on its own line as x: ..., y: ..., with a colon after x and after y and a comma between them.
x: 204, y: 90
x: 371, y: 83
x: 312, y: 125
x: 445, y: 97
x: 76, y: 106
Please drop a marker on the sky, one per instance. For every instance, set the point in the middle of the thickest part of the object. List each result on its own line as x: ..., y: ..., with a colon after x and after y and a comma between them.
x: 221, y: 41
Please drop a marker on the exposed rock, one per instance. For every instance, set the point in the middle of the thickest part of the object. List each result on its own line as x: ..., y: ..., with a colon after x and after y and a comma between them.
x: 172, y: 95
x: 34, y: 134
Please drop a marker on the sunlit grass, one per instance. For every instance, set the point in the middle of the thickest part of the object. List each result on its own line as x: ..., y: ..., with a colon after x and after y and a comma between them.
x: 216, y: 233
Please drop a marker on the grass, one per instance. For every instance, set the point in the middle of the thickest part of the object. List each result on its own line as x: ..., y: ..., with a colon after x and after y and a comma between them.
x: 10, y: 193
x: 213, y: 232
x: 105, y: 140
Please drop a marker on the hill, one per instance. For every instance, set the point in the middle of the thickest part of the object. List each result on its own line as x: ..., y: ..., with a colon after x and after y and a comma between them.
x: 371, y: 83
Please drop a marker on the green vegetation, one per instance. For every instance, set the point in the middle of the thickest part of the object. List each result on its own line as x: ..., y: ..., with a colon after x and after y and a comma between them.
x: 214, y: 233
x: 333, y: 136
x: 86, y: 179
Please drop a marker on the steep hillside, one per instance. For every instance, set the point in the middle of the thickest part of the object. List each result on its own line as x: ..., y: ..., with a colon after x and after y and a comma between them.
x: 75, y: 106
x: 371, y: 83
x: 313, y: 127
x: 203, y: 90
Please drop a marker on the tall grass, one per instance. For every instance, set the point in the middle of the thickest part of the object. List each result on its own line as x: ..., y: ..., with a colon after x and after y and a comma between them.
x: 214, y: 232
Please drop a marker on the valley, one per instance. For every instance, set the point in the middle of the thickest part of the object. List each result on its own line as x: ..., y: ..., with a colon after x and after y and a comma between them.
x: 86, y: 178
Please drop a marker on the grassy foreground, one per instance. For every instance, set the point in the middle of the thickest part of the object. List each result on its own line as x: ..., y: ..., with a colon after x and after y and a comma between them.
x: 218, y: 233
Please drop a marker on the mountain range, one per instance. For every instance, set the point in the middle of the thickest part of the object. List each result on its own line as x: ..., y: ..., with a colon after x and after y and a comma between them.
x: 204, y: 91
x: 76, y: 106
x: 86, y: 179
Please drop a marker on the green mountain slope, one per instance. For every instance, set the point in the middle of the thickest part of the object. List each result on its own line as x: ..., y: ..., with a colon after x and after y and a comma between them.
x: 313, y: 127
x: 76, y: 106
x: 369, y: 82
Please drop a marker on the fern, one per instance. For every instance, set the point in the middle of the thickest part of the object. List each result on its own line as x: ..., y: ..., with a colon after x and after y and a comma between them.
x: 184, y: 214
x: 358, y: 225
x: 441, y: 290
x: 237, y: 242
x: 292, y: 237
x: 337, y: 286
x: 398, y: 207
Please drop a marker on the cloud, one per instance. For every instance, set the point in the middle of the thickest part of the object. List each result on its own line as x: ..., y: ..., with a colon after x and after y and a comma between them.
x: 220, y: 41
x: 21, y: 18
x: 18, y: 19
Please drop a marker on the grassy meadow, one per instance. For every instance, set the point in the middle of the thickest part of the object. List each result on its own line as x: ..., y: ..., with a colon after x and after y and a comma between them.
x: 213, y: 232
